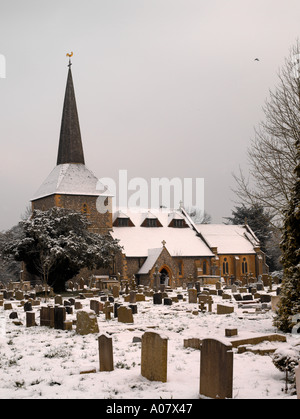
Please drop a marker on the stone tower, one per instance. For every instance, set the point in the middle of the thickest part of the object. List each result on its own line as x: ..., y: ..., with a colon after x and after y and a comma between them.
x: 71, y: 184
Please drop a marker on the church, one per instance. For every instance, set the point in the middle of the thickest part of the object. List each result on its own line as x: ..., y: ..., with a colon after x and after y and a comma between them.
x: 164, y: 242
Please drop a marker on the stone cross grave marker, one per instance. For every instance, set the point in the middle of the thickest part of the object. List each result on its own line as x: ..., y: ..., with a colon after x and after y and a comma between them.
x: 154, y: 357
x: 216, y: 369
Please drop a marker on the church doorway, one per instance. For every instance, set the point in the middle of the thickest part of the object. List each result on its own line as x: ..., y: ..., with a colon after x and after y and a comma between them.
x: 165, y: 276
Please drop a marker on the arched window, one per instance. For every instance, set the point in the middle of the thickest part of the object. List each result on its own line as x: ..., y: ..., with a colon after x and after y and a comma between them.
x: 225, y: 266
x: 244, y: 266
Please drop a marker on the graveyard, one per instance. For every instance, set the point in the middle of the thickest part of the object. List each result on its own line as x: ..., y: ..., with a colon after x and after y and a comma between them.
x: 130, y: 342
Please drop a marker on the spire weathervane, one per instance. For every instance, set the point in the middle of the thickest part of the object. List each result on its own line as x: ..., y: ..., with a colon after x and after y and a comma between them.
x: 69, y: 55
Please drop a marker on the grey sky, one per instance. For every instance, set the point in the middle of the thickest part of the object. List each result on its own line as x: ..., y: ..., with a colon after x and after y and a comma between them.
x: 163, y: 87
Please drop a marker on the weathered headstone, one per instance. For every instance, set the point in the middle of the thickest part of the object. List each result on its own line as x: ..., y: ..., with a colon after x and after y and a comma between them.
x: 30, y: 318
x: 216, y: 369
x: 154, y: 357
x: 45, y: 316
x: 192, y: 295
x: 105, y: 353
x: 125, y: 315
x: 86, y: 322
x: 115, y: 291
x: 58, y: 300
x: 224, y: 309
x: 132, y: 297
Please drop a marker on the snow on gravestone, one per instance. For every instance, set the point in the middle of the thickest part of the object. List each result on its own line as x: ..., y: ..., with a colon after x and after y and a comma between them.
x: 86, y: 322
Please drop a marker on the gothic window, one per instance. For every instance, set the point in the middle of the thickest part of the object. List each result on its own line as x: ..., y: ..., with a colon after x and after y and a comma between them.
x: 225, y: 266
x: 244, y: 266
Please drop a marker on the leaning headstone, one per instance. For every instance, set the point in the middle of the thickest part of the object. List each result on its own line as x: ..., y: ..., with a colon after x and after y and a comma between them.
x: 216, y: 369
x: 154, y: 357
x: 105, y: 353
x: 297, y: 374
x: 86, y: 322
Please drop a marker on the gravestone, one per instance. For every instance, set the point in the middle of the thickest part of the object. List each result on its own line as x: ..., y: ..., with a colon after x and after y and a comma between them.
x: 132, y: 297
x: 115, y: 291
x: 297, y: 374
x: 157, y: 298
x: 105, y: 353
x: 168, y: 301
x: 58, y: 300
x: 95, y: 306
x: 192, y: 295
x: 116, y: 306
x: 154, y: 357
x: 27, y: 306
x: 224, y: 309
x: 86, y: 322
x: 216, y: 369
x: 59, y: 317
x: 125, y: 315
x: 30, y: 318
x: 45, y: 316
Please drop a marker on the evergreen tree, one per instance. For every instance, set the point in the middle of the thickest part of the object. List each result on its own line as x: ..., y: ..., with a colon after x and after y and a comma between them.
x: 259, y: 220
x: 56, y: 244
x: 289, y: 304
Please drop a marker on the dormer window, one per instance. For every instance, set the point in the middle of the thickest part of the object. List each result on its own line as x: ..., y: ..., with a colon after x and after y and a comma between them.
x: 178, y: 223
x: 122, y: 220
x: 151, y: 221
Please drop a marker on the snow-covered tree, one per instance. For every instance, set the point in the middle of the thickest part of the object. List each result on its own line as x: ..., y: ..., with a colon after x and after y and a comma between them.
x: 56, y: 244
x: 289, y: 305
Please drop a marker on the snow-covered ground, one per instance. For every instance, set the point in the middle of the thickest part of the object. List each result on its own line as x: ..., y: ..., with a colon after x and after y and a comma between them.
x: 40, y: 362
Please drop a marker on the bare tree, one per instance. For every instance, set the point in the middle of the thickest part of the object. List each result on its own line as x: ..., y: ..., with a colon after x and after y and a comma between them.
x: 272, y: 153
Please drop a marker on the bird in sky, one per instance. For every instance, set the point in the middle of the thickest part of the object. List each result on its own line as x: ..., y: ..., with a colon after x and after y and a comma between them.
x: 256, y: 59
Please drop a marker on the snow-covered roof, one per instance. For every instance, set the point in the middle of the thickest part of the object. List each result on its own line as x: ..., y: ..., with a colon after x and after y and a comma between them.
x: 229, y: 239
x: 71, y: 179
x: 151, y: 259
x: 138, y: 240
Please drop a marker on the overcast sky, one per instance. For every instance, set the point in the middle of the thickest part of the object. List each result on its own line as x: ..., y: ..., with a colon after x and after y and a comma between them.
x: 164, y: 88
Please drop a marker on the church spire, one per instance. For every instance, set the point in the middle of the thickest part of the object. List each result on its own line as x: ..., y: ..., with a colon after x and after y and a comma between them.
x: 70, y: 146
